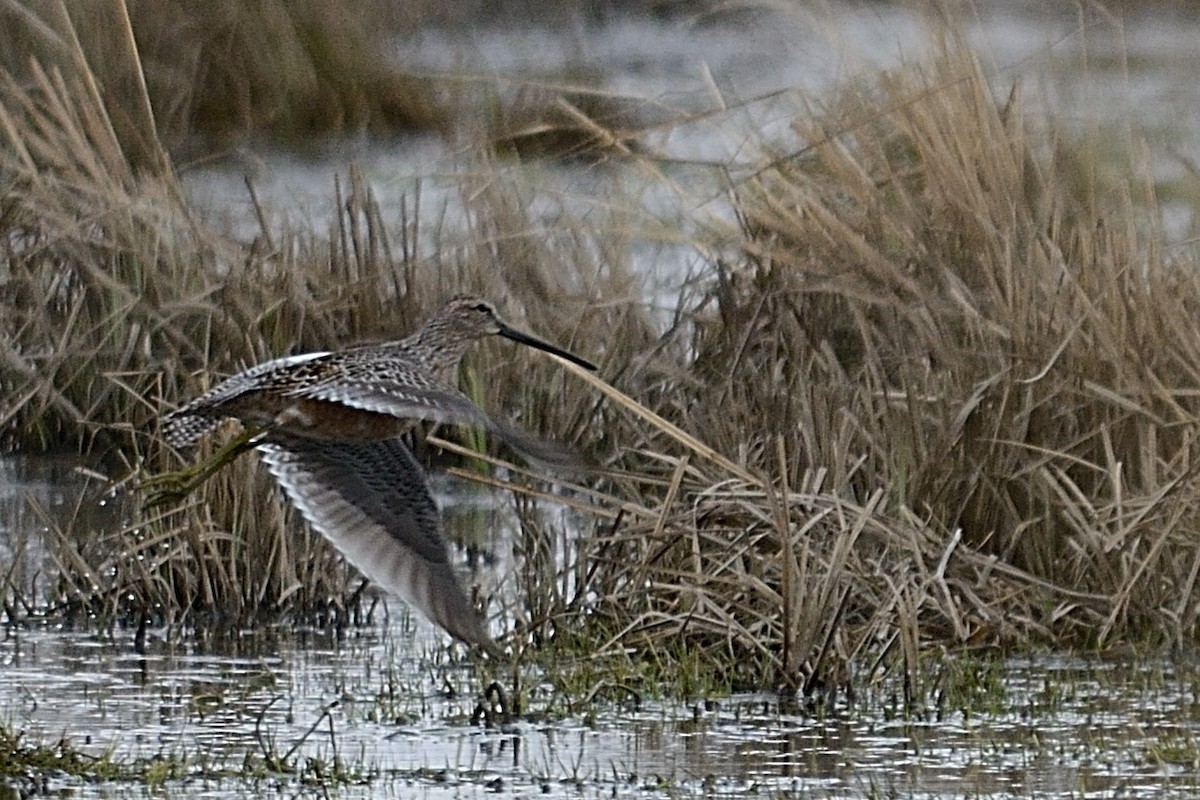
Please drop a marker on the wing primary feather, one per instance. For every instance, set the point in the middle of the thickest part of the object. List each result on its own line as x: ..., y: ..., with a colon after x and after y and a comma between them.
x: 372, y: 502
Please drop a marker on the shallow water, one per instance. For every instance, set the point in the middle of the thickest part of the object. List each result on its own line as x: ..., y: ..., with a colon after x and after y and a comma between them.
x: 393, y: 705
x: 1056, y: 728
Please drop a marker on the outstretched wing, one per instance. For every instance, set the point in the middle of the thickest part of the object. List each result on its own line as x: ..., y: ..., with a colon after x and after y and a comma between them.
x: 407, y: 396
x: 371, y: 500
x: 419, y: 397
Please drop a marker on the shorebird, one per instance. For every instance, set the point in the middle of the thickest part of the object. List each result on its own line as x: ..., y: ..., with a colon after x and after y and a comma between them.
x: 327, y: 426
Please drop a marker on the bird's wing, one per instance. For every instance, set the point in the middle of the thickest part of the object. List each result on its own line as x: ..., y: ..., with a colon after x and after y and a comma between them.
x: 371, y: 500
x: 422, y: 398
x: 417, y: 398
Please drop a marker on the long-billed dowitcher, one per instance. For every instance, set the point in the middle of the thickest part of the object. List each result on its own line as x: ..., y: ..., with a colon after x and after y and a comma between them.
x: 326, y: 425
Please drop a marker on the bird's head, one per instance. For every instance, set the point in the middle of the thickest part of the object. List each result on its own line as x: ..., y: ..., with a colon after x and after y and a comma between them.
x: 467, y: 318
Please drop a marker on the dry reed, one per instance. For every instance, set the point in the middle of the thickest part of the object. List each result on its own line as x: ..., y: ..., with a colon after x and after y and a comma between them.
x: 227, y: 69
x: 960, y: 386
x: 201, y: 78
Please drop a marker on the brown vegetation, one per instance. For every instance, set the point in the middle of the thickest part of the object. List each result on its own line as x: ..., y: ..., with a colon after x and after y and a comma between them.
x: 939, y: 387
x: 230, y: 68
x: 962, y: 380
x: 206, y: 76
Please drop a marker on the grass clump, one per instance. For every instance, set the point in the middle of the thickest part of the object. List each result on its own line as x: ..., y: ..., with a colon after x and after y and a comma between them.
x: 957, y: 381
x: 31, y: 763
x: 26, y: 760
x: 577, y: 119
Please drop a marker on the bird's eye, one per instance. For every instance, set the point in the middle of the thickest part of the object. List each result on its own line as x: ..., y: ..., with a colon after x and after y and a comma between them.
x: 483, y: 307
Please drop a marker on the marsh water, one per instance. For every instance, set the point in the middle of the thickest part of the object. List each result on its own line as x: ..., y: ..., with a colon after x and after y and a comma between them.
x: 1057, y: 728
x: 390, y: 710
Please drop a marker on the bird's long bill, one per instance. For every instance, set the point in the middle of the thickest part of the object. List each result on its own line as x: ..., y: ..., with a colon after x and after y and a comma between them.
x: 533, y: 341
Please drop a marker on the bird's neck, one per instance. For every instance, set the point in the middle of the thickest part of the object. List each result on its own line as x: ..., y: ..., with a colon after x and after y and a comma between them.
x: 438, y: 350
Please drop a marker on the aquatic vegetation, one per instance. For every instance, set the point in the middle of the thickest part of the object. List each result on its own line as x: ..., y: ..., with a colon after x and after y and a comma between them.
x: 19, y: 758
x: 24, y: 761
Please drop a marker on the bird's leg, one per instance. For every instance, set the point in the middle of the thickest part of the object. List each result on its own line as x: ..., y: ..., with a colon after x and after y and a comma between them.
x: 492, y: 708
x: 171, y: 487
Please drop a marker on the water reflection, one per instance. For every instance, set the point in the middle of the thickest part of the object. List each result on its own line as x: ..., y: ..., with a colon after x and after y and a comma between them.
x: 40, y: 498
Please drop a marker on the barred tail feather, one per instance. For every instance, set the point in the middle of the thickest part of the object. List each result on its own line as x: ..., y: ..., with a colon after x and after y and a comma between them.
x: 185, y: 427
